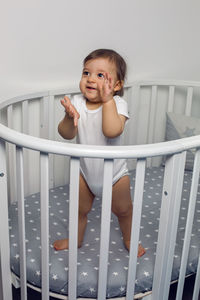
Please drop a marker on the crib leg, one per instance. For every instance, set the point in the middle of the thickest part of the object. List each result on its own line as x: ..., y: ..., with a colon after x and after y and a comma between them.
x: 15, y: 281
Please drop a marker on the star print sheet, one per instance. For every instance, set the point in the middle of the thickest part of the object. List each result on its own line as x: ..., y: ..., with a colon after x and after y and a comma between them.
x: 88, y: 254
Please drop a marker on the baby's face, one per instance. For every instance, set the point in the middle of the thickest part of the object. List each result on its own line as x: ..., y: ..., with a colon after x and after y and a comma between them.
x: 93, y: 77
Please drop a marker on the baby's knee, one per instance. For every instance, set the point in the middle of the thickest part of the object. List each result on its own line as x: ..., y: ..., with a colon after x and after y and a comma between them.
x: 84, y: 209
x: 122, y: 210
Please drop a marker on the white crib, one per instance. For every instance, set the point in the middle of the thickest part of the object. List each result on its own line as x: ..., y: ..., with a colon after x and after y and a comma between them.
x: 34, y: 159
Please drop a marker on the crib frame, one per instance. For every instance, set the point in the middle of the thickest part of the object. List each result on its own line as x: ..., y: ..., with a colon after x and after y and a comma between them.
x: 144, y: 154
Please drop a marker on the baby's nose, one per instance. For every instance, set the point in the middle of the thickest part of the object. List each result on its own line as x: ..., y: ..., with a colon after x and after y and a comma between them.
x: 91, y: 78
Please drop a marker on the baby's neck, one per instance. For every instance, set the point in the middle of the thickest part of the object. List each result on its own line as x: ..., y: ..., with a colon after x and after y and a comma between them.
x: 92, y: 105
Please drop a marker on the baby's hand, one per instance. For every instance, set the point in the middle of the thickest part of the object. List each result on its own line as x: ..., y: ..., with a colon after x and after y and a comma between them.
x: 70, y: 110
x: 106, y: 89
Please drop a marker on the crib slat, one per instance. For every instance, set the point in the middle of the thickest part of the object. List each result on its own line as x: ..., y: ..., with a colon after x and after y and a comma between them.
x: 10, y: 116
x: 73, y: 226
x: 197, y: 283
x: 51, y: 118
x: 135, y: 231
x: 133, y: 104
x: 151, y: 120
x: 105, y: 228
x: 44, y: 116
x: 25, y: 129
x: 174, y: 222
x: 5, y: 274
x: 66, y: 160
x: 51, y: 126
x: 132, y: 124
x: 44, y: 204
x: 25, y: 117
x: 11, y: 150
x: 189, y: 223
x: 188, y: 107
x: 152, y: 113
x: 21, y: 221
x: 171, y: 99
x: 170, y: 207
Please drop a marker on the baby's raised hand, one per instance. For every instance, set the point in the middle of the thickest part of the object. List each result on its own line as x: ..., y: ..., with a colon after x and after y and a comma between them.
x: 106, y: 89
x: 70, y: 110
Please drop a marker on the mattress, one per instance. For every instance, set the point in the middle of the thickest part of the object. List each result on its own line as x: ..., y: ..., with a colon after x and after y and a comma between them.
x: 88, y: 254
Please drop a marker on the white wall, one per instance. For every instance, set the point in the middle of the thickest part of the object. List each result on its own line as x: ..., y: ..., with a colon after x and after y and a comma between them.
x: 43, y: 42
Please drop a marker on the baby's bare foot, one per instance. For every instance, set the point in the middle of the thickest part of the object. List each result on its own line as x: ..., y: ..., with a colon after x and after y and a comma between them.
x: 141, y: 250
x: 63, y: 244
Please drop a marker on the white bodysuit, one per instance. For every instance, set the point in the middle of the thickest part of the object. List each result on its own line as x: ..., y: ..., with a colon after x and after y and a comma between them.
x: 90, y: 133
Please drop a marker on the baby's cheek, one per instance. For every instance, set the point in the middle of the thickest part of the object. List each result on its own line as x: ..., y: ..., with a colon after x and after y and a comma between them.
x: 100, y: 86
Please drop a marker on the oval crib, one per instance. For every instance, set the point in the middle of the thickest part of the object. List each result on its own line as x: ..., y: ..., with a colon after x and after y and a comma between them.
x: 35, y: 160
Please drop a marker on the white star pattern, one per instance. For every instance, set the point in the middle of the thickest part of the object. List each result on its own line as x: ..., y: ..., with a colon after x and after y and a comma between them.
x: 92, y: 290
x: 88, y: 254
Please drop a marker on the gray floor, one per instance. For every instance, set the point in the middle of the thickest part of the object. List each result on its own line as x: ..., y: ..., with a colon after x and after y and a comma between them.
x: 32, y: 295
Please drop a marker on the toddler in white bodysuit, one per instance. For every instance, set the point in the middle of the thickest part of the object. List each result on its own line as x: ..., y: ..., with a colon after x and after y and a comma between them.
x: 98, y: 117
x: 92, y: 168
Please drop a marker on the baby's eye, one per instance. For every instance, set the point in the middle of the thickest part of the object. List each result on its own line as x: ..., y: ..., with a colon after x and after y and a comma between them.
x: 100, y: 75
x: 85, y: 73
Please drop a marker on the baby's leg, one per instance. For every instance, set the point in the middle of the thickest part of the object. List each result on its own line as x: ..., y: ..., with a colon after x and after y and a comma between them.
x: 85, y: 205
x: 122, y: 207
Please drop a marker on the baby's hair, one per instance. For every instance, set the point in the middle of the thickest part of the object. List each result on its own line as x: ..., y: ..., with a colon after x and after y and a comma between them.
x: 114, y: 57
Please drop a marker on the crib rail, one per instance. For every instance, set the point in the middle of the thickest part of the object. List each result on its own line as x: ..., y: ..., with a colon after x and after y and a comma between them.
x: 168, y: 226
x: 93, y: 151
x: 148, y: 103
x: 18, y: 145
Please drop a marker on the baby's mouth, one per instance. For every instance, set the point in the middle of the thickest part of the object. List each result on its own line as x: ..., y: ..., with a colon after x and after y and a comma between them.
x: 90, y: 88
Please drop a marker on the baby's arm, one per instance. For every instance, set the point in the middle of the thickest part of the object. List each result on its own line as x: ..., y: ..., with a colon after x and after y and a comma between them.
x: 112, y: 122
x: 67, y: 128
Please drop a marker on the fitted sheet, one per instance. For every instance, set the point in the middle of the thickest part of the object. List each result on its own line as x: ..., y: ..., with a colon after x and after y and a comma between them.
x: 88, y: 254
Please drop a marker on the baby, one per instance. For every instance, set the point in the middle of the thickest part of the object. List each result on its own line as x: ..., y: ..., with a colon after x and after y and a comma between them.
x: 98, y: 117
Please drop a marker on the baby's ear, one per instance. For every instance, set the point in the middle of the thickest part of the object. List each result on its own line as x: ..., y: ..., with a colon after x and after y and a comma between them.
x: 118, y: 85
